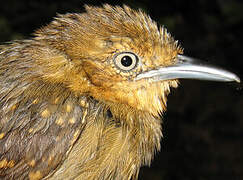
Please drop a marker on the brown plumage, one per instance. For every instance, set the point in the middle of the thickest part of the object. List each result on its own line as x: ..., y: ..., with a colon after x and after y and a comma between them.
x: 70, y: 104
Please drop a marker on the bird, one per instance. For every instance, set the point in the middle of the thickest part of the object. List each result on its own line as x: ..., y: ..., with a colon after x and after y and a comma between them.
x: 83, y: 98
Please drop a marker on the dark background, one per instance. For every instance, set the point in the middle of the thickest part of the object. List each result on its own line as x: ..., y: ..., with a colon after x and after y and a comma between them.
x: 203, y: 127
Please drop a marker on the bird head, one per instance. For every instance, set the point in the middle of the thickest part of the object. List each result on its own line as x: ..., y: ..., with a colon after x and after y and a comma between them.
x: 118, y: 55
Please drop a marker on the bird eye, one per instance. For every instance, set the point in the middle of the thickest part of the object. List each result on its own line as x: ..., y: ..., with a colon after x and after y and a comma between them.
x: 126, y: 61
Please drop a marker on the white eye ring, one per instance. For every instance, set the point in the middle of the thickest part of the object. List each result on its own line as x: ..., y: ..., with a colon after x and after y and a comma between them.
x: 125, y: 61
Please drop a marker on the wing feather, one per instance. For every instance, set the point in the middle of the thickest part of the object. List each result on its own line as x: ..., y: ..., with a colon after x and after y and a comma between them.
x: 36, y: 136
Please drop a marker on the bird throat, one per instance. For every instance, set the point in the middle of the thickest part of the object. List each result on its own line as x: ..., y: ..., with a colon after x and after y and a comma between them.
x: 152, y: 96
x: 145, y: 96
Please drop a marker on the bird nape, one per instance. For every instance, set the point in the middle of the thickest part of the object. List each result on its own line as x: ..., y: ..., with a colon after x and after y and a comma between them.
x: 83, y: 98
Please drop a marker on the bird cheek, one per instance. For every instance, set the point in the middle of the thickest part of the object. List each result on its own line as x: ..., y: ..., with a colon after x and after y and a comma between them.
x: 100, y: 76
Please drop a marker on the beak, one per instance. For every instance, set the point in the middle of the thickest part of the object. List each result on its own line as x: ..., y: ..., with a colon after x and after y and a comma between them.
x: 189, y: 68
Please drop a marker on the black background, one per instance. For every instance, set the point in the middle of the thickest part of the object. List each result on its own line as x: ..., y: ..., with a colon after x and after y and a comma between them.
x: 203, y: 127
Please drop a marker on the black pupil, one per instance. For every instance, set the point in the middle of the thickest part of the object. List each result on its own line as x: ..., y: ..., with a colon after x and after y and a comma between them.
x: 126, y: 61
